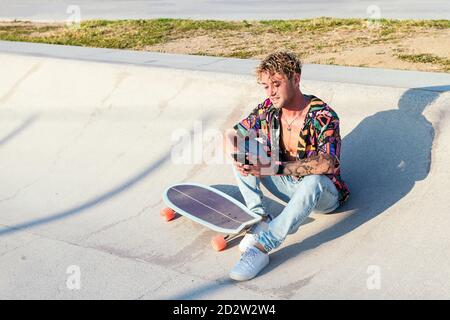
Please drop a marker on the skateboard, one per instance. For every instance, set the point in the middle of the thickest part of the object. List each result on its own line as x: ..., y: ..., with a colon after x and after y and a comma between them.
x: 210, y: 208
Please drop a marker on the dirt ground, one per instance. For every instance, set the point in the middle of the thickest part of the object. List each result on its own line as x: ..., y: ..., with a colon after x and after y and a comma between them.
x: 365, y: 45
x: 335, y: 48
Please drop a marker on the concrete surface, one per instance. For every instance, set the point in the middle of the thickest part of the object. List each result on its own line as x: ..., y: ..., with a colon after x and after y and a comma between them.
x: 85, y: 153
x: 316, y: 72
x: 62, y: 10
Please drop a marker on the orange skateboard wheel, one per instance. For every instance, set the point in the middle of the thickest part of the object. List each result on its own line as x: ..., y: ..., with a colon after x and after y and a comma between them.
x: 167, y: 214
x: 218, y: 243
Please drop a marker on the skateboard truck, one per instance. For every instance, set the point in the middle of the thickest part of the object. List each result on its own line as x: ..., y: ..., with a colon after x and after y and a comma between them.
x: 218, y: 242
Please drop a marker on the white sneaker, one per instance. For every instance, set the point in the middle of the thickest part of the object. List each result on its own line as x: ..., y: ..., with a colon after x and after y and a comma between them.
x: 251, y: 263
x: 249, y: 239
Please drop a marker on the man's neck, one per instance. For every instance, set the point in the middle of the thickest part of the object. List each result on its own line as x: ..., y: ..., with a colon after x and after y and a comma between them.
x: 296, y: 106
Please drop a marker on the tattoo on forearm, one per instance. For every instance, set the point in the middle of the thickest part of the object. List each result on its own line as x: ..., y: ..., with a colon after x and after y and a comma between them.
x: 320, y: 164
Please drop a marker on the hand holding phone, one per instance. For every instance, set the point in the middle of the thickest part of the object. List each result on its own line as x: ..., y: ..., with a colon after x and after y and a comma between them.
x: 241, y: 158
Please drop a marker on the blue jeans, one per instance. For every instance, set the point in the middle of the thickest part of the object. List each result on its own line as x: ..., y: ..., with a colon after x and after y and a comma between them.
x: 313, y: 192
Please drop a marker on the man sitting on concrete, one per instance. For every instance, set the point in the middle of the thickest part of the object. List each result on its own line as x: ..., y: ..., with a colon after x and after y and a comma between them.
x: 300, y: 136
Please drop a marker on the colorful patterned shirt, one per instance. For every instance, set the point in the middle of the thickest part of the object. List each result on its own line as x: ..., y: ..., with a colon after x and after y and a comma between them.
x: 320, y: 134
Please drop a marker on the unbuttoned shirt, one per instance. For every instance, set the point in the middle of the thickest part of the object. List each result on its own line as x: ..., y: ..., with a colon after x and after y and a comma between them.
x: 319, y: 135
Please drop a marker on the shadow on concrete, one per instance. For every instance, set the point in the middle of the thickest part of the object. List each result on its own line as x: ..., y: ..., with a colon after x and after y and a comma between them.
x: 89, y: 203
x: 25, y: 124
x: 382, y: 158
x: 162, y: 160
x: 203, y: 291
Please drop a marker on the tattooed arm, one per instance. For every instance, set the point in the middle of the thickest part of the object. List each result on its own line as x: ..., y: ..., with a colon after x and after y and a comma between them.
x: 320, y: 164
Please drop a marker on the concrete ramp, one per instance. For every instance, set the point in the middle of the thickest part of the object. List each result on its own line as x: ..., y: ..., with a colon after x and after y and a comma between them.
x: 88, y: 145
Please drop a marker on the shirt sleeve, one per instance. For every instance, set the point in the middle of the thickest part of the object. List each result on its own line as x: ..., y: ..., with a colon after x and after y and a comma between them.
x: 328, y: 140
x: 250, y: 124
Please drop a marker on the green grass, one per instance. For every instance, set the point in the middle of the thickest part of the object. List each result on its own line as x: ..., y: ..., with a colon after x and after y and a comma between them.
x: 438, y: 24
x: 122, y: 34
x: 305, y: 37
x: 243, y: 54
x: 312, y: 25
x: 426, y: 58
x: 136, y: 34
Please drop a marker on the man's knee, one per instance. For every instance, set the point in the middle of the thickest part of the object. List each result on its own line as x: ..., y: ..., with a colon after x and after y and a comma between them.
x: 312, y: 186
x: 312, y: 181
x: 320, y: 186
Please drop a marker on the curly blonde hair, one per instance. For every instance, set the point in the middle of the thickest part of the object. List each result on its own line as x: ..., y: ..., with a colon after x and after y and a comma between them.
x: 280, y: 62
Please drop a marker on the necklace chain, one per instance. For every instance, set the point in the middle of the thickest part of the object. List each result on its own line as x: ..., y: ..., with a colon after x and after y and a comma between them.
x: 289, y: 125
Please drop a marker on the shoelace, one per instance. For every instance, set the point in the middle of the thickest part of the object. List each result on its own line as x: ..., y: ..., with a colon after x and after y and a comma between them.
x: 248, y: 257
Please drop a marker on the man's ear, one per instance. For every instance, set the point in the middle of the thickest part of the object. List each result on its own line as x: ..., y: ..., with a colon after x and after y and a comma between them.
x: 297, y: 77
